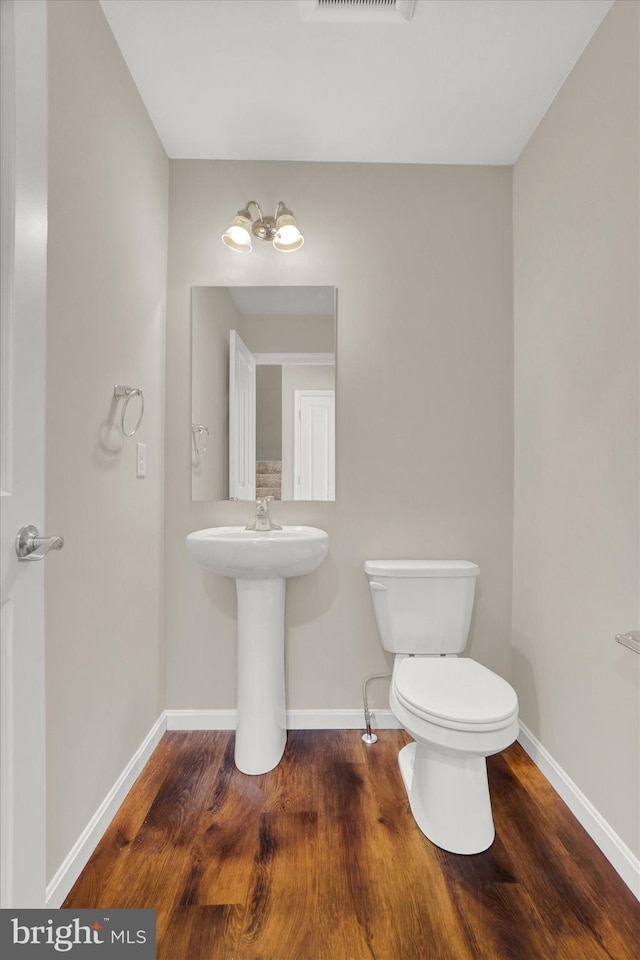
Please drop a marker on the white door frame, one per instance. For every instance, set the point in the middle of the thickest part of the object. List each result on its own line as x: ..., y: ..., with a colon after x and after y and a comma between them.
x: 22, y: 384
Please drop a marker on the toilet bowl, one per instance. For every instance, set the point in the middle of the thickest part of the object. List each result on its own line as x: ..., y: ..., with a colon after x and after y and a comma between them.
x: 457, y: 711
x: 445, y: 771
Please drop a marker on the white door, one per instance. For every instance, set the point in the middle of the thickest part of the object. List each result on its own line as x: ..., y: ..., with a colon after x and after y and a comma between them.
x: 314, y: 445
x: 242, y: 420
x: 23, y: 213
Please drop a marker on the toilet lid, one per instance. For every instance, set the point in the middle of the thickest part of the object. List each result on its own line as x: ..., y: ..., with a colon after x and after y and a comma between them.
x: 454, y: 689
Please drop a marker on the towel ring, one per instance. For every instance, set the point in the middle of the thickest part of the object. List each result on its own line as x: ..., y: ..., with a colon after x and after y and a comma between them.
x: 200, y: 437
x: 127, y: 393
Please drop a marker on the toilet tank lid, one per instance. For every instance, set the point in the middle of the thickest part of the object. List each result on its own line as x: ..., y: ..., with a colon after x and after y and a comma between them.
x: 421, y: 568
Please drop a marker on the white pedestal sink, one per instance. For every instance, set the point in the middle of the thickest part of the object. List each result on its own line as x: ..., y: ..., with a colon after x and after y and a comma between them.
x: 260, y: 562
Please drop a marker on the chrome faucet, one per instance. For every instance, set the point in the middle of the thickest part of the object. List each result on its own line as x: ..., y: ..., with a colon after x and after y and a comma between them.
x: 262, y: 519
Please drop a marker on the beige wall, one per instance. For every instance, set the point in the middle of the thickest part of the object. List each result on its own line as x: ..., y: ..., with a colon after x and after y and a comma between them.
x: 269, y: 411
x: 108, y: 194
x: 270, y: 333
x: 424, y: 386
x: 576, y: 572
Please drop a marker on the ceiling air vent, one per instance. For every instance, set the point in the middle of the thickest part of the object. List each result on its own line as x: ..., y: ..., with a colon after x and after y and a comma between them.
x: 357, y: 11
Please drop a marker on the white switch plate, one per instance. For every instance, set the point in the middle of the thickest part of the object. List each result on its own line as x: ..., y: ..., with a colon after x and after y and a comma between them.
x: 141, y: 460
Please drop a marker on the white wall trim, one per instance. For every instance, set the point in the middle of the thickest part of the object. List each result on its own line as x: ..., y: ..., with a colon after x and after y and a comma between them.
x: 346, y: 719
x: 297, y: 359
x: 340, y: 720
x: 615, y: 850
x: 201, y: 719
x: 77, y: 858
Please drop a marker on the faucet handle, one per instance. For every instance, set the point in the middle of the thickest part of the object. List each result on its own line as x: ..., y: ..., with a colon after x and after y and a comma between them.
x: 262, y: 519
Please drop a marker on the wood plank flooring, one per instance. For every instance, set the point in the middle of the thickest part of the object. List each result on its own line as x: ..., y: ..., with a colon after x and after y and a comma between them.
x: 320, y: 859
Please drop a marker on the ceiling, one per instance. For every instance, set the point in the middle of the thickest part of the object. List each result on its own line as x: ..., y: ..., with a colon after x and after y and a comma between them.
x: 464, y: 81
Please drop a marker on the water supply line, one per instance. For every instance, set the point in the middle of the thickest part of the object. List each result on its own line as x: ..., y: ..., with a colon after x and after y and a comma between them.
x: 370, y: 737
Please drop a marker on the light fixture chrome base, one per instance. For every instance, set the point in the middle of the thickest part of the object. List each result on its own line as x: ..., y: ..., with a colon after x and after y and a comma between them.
x: 264, y: 229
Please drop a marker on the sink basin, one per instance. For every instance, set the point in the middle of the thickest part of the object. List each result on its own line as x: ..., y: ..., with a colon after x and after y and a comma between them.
x: 260, y: 562
x: 257, y: 554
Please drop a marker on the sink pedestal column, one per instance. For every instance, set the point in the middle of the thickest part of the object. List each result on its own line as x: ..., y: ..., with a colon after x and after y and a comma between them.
x: 261, y: 731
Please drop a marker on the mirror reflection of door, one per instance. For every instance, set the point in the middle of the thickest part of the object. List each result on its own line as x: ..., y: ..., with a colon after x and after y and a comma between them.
x: 242, y: 420
x: 290, y: 335
x: 314, y: 445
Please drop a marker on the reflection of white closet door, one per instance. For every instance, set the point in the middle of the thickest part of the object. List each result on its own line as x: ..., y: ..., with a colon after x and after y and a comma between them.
x: 242, y: 420
x: 314, y: 445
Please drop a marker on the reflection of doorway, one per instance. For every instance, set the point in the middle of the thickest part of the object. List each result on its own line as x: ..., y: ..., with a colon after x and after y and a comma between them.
x: 314, y: 445
x: 242, y: 420
x: 286, y: 447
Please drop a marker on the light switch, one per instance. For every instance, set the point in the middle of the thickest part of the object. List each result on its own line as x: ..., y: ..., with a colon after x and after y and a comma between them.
x: 141, y: 460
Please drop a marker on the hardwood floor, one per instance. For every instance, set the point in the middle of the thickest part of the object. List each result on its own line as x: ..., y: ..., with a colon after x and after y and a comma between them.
x: 320, y: 859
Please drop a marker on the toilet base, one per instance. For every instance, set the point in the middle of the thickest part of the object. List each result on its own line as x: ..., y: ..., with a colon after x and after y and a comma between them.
x: 449, y: 797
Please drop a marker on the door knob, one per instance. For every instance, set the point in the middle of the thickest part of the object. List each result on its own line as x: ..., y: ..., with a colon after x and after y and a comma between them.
x: 31, y: 546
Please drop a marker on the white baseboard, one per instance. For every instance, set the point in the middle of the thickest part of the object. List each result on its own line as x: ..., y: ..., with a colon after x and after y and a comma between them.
x: 340, y: 720
x: 296, y: 720
x: 78, y: 857
x: 200, y: 719
x: 615, y: 850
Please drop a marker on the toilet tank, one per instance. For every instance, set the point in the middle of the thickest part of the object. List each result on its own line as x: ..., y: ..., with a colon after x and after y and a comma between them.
x: 422, y: 606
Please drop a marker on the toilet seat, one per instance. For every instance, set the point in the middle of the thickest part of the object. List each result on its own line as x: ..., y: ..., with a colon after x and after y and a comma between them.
x: 454, y: 692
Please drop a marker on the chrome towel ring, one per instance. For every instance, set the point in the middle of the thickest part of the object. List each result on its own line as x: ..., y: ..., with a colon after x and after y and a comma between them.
x: 127, y: 393
x: 200, y: 433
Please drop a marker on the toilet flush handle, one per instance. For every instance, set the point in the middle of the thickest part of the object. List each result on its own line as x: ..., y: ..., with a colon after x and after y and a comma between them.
x: 375, y: 585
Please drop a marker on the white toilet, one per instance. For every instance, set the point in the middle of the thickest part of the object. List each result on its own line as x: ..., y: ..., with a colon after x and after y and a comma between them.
x: 458, y: 711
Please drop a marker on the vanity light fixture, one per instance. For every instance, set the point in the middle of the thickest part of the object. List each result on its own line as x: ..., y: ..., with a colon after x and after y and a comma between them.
x: 281, y: 229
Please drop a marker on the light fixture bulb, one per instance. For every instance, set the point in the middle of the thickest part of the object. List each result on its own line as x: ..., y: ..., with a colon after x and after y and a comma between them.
x: 238, y: 236
x: 288, y: 237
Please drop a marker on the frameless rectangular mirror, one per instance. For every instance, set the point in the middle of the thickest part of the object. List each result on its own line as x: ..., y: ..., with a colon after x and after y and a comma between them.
x: 263, y: 393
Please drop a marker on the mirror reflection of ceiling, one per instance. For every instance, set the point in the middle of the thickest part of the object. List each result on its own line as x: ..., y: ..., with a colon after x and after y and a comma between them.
x: 284, y: 301
x: 479, y: 75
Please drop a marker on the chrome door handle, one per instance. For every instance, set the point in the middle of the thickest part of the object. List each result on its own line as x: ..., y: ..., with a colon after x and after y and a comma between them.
x: 31, y: 546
